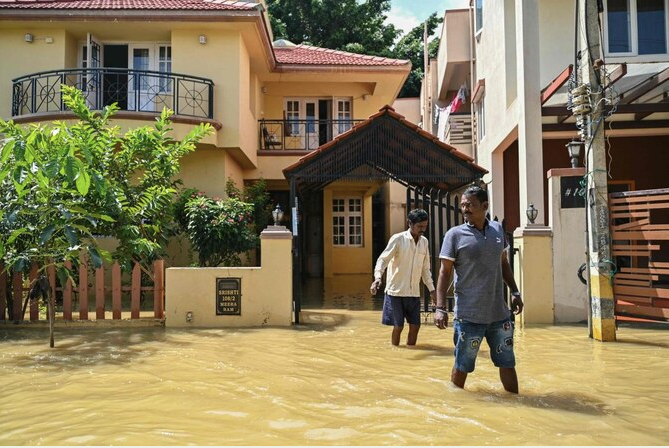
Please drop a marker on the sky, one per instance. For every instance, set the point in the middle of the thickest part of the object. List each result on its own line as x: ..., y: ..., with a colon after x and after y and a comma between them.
x: 406, y: 14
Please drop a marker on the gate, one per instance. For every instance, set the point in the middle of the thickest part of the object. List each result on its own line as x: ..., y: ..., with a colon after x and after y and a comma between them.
x: 640, y: 248
x: 444, y: 212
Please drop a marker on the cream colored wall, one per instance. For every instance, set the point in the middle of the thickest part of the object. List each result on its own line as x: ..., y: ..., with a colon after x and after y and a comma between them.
x: 347, y: 260
x: 396, y: 201
x: 248, y: 127
x: 570, y: 295
x: 534, y: 273
x: 20, y: 58
x: 205, y: 169
x: 220, y: 59
x: 409, y: 108
x: 556, y: 25
x: 233, y: 171
x: 491, y: 67
x: 194, y: 290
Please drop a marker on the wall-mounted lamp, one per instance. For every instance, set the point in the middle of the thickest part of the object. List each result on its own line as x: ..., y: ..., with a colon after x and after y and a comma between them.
x: 263, y: 89
x: 364, y: 97
x: 28, y: 38
x: 574, y: 150
x: 189, y: 316
x: 531, y: 213
x: 277, y: 214
x: 203, y: 39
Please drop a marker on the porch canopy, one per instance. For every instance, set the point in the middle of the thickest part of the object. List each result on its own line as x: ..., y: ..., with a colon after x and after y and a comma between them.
x: 385, y: 146
x: 636, y: 98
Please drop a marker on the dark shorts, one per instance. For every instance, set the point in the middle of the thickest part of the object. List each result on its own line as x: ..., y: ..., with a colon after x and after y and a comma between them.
x: 397, y: 309
x: 467, y: 337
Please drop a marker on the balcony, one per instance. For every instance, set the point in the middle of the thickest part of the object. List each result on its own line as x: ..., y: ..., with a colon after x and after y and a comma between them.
x: 132, y: 90
x: 300, y: 135
x: 458, y: 131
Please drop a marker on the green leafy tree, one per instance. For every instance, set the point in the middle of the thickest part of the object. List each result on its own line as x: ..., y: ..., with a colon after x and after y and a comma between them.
x: 144, y: 170
x: 349, y: 25
x: 47, y: 181
x: 411, y: 47
x: 355, y: 26
x: 256, y: 194
x: 61, y: 185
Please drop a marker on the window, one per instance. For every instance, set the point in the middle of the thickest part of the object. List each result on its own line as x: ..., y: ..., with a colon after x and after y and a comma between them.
x: 347, y: 221
x: 479, y: 16
x: 480, y: 116
x: 165, y: 66
x: 344, y: 116
x: 293, y: 116
x: 636, y: 27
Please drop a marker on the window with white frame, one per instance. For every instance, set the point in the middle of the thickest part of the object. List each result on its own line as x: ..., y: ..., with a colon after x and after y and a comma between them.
x: 293, y: 116
x: 344, y: 115
x: 347, y: 221
x: 165, y: 66
x: 636, y: 27
x: 480, y: 119
x: 478, y: 20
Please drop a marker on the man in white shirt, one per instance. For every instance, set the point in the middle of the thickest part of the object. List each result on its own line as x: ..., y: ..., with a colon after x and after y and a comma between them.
x: 407, y: 257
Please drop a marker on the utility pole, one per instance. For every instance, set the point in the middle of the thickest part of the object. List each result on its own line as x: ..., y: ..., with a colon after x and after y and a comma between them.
x: 587, y: 106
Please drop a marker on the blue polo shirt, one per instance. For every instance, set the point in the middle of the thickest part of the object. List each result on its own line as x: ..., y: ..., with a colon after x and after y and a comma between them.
x: 479, y: 285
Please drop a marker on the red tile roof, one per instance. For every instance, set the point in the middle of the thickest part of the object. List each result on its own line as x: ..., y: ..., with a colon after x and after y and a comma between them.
x: 192, y: 5
x: 308, y: 55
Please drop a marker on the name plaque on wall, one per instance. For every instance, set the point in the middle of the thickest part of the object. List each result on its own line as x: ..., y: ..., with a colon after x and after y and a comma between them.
x: 572, y: 193
x: 228, y: 296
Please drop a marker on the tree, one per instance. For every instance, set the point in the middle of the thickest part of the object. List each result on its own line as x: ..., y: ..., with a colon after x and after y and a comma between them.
x: 411, y: 47
x: 61, y: 185
x: 355, y: 26
x: 256, y: 194
x: 349, y: 25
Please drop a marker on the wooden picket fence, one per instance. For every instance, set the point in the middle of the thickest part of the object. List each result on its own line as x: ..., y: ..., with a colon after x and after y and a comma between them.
x: 78, y: 297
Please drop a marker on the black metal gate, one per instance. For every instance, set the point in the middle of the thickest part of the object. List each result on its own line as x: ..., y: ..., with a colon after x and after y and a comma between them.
x: 443, y: 208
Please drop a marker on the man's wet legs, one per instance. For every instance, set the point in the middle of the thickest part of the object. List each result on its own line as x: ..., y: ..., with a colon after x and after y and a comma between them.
x: 397, y: 332
x: 509, y: 379
x: 458, y: 378
x: 413, y: 334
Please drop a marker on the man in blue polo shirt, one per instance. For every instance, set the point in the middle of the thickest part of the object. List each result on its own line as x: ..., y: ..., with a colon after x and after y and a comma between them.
x: 477, y: 252
x: 407, y: 257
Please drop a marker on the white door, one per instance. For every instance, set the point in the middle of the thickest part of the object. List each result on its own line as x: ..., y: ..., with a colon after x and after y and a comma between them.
x: 91, y: 80
x: 141, y: 85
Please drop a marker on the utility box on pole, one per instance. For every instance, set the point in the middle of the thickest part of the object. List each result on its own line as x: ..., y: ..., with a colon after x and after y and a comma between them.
x: 587, y: 99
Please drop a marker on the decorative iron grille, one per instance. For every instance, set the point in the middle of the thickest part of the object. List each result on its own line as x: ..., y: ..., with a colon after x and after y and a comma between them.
x: 306, y: 134
x: 132, y: 90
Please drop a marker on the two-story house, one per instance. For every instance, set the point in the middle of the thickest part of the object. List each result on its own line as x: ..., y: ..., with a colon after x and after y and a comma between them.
x: 312, y: 122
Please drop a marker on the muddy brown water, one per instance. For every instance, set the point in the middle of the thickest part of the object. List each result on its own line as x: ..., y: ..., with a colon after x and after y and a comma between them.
x: 335, y: 379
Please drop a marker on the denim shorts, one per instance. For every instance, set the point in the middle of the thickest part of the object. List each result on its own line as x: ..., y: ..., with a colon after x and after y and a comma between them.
x: 397, y: 309
x: 467, y: 338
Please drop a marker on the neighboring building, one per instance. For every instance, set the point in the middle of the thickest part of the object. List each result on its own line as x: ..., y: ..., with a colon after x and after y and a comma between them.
x: 272, y: 104
x: 517, y: 60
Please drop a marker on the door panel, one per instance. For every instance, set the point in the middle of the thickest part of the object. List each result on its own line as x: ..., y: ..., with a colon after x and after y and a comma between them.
x: 141, y: 89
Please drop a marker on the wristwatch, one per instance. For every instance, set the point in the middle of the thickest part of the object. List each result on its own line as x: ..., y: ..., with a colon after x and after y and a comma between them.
x: 516, y: 294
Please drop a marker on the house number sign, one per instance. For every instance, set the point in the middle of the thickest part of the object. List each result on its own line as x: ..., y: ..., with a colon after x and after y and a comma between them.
x: 228, y: 296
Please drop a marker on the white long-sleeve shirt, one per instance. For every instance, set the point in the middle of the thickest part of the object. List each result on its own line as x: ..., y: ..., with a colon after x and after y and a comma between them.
x: 407, y: 262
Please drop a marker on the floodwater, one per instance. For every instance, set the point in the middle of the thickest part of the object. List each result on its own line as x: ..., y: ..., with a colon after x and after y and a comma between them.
x: 335, y: 379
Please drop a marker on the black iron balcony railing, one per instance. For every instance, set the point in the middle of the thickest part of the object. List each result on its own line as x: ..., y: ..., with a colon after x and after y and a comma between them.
x: 132, y: 90
x: 301, y: 135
